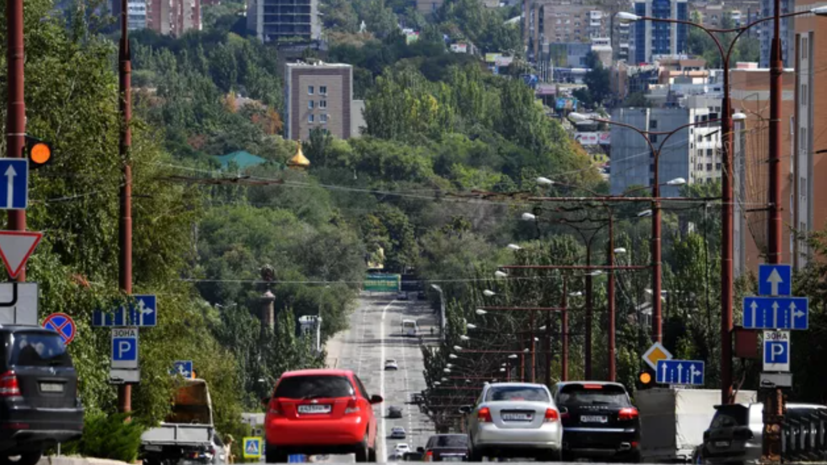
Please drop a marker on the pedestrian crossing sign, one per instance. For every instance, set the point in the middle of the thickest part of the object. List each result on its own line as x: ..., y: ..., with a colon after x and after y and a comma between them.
x: 252, y: 448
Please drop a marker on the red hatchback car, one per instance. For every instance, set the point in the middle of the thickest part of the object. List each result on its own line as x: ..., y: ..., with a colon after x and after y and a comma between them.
x: 320, y: 412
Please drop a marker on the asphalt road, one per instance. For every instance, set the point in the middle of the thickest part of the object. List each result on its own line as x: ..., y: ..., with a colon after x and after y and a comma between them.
x: 375, y: 335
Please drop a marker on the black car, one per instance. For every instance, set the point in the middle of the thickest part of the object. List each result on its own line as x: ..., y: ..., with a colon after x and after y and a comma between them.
x: 599, y: 421
x: 394, y: 412
x: 421, y: 295
x: 447, y: 448
x: 39, y: 404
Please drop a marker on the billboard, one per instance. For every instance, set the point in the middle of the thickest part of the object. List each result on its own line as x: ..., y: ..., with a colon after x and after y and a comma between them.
x: 382, y: 282
x: 459, y: 48
x: 594, y: 138
x: 492, y: 57
x: 566, y: 104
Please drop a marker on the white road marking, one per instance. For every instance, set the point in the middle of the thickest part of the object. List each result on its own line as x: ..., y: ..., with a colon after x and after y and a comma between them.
x: 382, y: 381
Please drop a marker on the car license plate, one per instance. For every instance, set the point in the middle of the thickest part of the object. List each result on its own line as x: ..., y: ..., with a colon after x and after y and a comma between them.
x: 154, y: 448
x: 594, y: 419
x: 51, y: 387
x: 451, y: 458
x: 314, y: 409
x: 517, y: 416
x: 721, y: 443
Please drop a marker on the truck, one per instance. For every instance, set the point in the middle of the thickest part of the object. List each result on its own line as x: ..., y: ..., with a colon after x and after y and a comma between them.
x: 187, y: 434
x: 673, y: 420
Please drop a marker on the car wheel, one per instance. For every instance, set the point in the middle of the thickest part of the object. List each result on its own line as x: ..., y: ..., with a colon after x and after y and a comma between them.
x: 475, y: 455
x: 362, y: 450
x: 273, y: 455
x: 372, y: 455
x: 26, y: 458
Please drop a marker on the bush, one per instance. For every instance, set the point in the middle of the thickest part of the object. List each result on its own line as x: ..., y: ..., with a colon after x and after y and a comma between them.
x: 111, y: 437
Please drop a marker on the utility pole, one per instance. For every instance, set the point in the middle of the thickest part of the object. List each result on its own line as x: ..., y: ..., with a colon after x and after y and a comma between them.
x: 611, y: 304
x: 774, y: 398
x: 16, y: 105
x: 589, y: 318
x: 564, y: 316
x: 125, y: 223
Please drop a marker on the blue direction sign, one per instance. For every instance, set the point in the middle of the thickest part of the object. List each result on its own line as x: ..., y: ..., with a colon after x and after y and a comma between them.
x: 14, y: 183
x: 143, y: 311
x: 776, y: 313
x: 774, y: 279
x: 684, y: 372
x: 183, y: 368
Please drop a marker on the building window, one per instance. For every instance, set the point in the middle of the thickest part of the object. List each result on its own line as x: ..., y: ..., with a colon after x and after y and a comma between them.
x: 323, y: 104
x: 311, y: 118
x: 708, y: 152
x: 653, y: 124
x: 310, y: 90
x: 718, y: 166
x: 709, y: 166
x: 802, y: 186
x: 653, y: 138
x: 700, y: 167
x: 323, y: 118
x: 310, y: 105
x: 804, y: 96
x: 805, y: 42
x: 803, y: 143
x: 323, y: 90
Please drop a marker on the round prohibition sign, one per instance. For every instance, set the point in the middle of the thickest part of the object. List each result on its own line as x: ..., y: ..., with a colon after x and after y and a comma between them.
x: 63, y: 324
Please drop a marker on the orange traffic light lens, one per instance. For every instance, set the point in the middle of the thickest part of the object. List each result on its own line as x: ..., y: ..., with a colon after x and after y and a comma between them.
x: 645, y: 378
x: 40, y: 153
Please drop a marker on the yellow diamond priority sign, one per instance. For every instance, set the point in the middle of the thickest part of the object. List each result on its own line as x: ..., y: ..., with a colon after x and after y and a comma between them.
x: 655, y: 353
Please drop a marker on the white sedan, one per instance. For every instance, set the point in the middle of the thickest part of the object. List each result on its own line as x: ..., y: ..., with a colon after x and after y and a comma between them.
x: 390, y: 364
x: 515, y: 420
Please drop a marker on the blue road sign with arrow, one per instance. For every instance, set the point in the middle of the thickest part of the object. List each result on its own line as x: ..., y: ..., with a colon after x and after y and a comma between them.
x: 183, y: 368
x: 143, y: 311
x: 776, y: 313
x: 682, y: 372
x: 774, y: 279
x: 14, y: 183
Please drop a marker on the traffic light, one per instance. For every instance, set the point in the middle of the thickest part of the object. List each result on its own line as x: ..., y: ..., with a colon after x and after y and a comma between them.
x: 645, y: 379
x: 38, y: 152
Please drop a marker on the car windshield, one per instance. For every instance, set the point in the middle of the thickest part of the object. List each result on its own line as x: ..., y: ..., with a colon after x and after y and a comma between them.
x: 453, y: 440
x: 39, y: 349
x: 728, y: 416
x: 390, y: 361
x: 593, y: 394
x: 527, y: 393
x: 314, y: 387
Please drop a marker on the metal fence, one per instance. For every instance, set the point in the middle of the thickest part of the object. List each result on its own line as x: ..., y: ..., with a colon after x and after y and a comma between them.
x: 804, y: 436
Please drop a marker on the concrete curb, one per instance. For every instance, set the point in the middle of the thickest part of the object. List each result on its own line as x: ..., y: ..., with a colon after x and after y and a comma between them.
x: 64, y: 460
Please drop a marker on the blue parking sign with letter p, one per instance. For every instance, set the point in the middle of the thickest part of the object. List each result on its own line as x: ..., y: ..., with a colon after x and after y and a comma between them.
x: 125, y: 348
x: 776, y: 351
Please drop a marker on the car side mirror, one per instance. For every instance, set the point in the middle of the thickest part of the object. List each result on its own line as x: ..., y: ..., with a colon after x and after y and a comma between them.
x: 265, y: 401
x: 466, y: 409
x: 375, y: 399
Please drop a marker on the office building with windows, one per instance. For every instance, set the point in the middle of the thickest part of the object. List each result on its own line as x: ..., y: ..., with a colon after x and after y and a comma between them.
x: 281, y: 20
x: 787, y: 32
x: 652, y: 39
x: 318, y: 95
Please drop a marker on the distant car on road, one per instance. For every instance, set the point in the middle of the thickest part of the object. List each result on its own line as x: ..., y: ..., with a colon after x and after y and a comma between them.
x: 390, y: 364
x: 410, y: 328
x: 402, y: 296
x: 400, y: 450
x: 39, y: 405
x: 421, y: 295
x: 447, y: 448
x: 599, y: 421
x: 394, y: 412
x: 398, y: 432
x: 514, y: 420
x: 320, y: 412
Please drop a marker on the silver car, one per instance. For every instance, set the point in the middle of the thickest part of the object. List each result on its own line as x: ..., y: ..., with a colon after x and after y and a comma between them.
x: 514, y: 420
x: 736, y: 433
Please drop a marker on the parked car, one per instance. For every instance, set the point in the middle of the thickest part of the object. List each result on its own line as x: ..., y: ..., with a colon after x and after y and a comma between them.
x: 394, y: 412
x: 514, y: 420
x: 400, y: 450
x: 398, y: 432
x: 39, y: 403
x: 421, y: 295
x: 447, y: 448
x: 320, y: 412
x: 402, y: 296
x: 390, y: 364
x: 599, y: 421
x: 736, y: 432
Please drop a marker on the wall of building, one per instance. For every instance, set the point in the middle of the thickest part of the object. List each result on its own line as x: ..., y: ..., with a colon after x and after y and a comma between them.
x: 652, y: 39
x: 277, y: 20
x: 809, y: 200
x: 632, y: 163
x: 787, y: 32
x: 304, y: 84
x: 750, y: 95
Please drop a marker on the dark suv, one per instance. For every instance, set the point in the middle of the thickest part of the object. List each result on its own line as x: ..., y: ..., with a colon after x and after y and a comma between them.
x: 599, y: 421
x: 447, y: 448
x: 39, y: 404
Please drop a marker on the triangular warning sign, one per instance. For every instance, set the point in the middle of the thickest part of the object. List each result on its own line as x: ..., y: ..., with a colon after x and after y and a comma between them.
x: 16, y: 247
x: 252, y: 447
